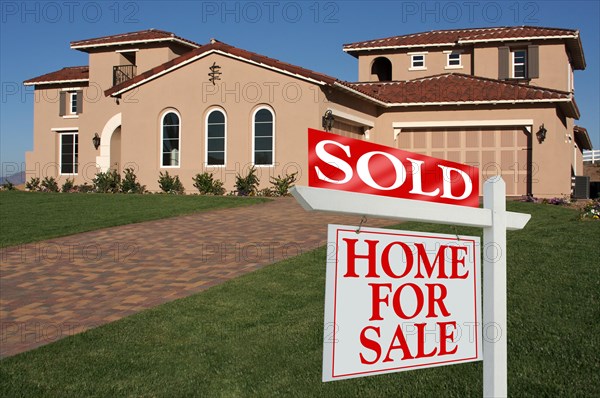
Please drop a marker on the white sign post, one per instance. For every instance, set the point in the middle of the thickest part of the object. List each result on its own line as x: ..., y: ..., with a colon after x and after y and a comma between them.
x: 495, y: 221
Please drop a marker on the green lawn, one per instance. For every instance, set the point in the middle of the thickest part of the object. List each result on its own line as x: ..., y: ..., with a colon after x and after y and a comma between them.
x: 261, y: 334
x: 31, y: 216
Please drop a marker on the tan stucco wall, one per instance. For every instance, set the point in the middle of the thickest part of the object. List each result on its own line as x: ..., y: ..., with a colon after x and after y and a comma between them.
x: 435, y: 62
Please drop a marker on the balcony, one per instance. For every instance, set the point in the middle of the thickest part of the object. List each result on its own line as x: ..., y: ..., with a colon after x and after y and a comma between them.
x: 123, y: 73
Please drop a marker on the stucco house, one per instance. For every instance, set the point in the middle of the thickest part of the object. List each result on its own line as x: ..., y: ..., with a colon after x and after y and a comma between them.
x: 500, y: 98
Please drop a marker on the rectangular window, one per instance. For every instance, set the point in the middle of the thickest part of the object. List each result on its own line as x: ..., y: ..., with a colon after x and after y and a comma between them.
x: 73, y: 102
x: 417, y: 61
x: 453, y: 60
x: 69, y: 152
x: 519, y: 58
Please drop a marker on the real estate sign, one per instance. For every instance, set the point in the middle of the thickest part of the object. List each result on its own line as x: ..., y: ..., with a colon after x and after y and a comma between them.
x: 399, y: 300
x: 348, y: 164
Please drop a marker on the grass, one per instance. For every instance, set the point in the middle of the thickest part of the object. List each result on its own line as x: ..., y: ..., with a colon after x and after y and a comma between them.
x: 261, y: 334
x: 31, y: 216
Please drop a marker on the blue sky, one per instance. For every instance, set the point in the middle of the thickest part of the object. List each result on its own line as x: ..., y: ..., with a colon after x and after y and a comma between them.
x: 35, y: 36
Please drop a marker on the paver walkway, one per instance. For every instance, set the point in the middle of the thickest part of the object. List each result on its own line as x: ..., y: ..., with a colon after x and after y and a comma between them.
x: 59, y: 287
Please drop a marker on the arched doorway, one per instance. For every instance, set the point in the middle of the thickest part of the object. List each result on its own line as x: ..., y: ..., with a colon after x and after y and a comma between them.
x: 105, y: 160
x: 115, y: 150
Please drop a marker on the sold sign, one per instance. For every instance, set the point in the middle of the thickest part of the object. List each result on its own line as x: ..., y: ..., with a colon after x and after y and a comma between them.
x: 348, y: 164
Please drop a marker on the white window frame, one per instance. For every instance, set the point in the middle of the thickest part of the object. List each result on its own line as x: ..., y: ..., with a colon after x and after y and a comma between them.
x: 413, y: 60
x: 75, y: 153
x: 208, y: 113
x: 448, y: 59
x: 72, y: 103
x: 524, y: 64
x: 161, y: 127
x: 254, y: 137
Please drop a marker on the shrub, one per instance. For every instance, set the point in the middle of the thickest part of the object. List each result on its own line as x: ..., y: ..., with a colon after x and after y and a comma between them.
x: 282, y: 185
x: 248, y: 185
x: 33, y: 184
x: 268, y: 192
x: 84, y: 188
x: 8, y: 186
x: 68, y: 186
x: 558, y: 201
x: 109, y: 181
x: 207, y: 185
x: 130, y: 183
x: 591, y: 210
x: 49, y: 184
x: 170, y: 184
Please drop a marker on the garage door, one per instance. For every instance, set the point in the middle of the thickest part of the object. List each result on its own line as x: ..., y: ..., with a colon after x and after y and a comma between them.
x: 495, y: 151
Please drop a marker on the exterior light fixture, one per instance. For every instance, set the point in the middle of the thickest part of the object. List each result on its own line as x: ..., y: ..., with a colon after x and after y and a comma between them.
x: 328, y: 120
x: 541, y: 134
x: 96, y: 140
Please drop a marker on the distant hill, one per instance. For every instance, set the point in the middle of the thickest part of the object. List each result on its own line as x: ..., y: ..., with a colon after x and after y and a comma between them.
x: 17, y: 178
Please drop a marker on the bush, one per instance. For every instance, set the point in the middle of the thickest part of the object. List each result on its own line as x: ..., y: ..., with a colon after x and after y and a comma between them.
x: 33, y: 184
x: 206, y: 185
x: 130, y: 183
x: 268, y: 192
x: 49, y: 184
x: 8, y: 186
x: 282, y: 185
x: 68, y: 186
x: 248, y: 185
x: 591, y: 210
x: 108, y: 182
x: 170, y: 184
x: 84, y: 188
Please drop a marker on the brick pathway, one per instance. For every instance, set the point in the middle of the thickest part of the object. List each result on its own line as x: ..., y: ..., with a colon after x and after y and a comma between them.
x: 59, y: 287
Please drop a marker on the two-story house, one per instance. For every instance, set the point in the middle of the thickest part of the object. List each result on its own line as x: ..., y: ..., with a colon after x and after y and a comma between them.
x: 498, y: 98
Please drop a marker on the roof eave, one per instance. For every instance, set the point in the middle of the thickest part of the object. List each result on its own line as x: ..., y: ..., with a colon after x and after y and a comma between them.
x: 83, y: 47
x: 32, y: 83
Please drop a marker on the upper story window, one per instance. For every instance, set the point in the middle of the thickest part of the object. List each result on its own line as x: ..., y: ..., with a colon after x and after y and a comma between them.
x: 417, y: 61
x: 216, y: 127
x: 382, y: 68
x: 263, y: 133
x: 70, y: 103
x: 519, y: 64
x: 73, y: 102
x: 453, y: 60
x: 69, y: 153
x: 170, y: 137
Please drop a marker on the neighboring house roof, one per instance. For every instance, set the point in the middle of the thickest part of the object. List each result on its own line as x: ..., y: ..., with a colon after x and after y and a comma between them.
x: 453, y: 37
x: 142, y: 36
x: 70, y: 74
x: 216, y: 46
x: 455, y: 88
x: 582, y: 137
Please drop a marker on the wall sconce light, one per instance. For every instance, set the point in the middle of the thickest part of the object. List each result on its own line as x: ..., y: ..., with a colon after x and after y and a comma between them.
x: 328, y: 120
x: 541, y: 134
x: 96, y: 140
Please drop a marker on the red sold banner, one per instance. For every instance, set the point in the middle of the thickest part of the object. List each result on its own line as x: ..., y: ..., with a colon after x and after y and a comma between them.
x: 348, y: 164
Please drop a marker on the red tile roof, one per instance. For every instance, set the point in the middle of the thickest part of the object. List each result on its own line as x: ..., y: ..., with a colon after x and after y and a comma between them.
x: 463, y: 36
x: 458, y: 88
x: 150, y: 35
x: 65, y: 75
x: 217, y: 46
x: 582, y: 137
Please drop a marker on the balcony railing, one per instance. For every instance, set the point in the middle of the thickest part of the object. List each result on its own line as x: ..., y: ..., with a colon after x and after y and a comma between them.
x: 122, y: 73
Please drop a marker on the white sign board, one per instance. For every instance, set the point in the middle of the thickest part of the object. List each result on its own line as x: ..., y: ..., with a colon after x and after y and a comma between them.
x: 399, y: 300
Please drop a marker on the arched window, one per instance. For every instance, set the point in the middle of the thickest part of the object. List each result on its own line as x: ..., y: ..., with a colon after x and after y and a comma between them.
x: 263, y: 134
x: 382, y: 67
x: 170, y: 132
x: 216, y: 127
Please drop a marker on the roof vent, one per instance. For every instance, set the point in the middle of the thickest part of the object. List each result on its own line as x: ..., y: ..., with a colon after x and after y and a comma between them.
x: 213, y: 40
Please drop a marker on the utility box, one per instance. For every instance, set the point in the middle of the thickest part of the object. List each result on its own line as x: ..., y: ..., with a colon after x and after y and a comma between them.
x: 581, y: 187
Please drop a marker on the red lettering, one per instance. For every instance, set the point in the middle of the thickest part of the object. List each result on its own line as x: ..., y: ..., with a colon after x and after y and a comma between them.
x: 385, y: 260
x: 401, y: 346
x: 456, y: 261
x: 376, y: 299
x: 370, y: 344
x: 398, y: 305
x: 421, y: 342
x: 439, y: 300
x: 445, y: 336
x: 422, y: 258
x: 371, y: 256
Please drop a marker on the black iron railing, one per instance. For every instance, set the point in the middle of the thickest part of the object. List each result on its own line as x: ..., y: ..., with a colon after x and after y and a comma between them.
x: 122, y: 73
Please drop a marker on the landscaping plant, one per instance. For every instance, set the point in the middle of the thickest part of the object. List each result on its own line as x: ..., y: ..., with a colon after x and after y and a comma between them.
x: 207, y: 185
x: 282, y: 185
x: 170, y: 184
x: 247, y: 185
x: 107, y: 182
x: 130, y: 183
x: 49, y: 184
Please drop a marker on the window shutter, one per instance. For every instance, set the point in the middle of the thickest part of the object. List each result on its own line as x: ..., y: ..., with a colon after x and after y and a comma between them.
x: 79, y: 101
x: 533, y: 67
x: 62, y: 103
x: 503, y: 55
